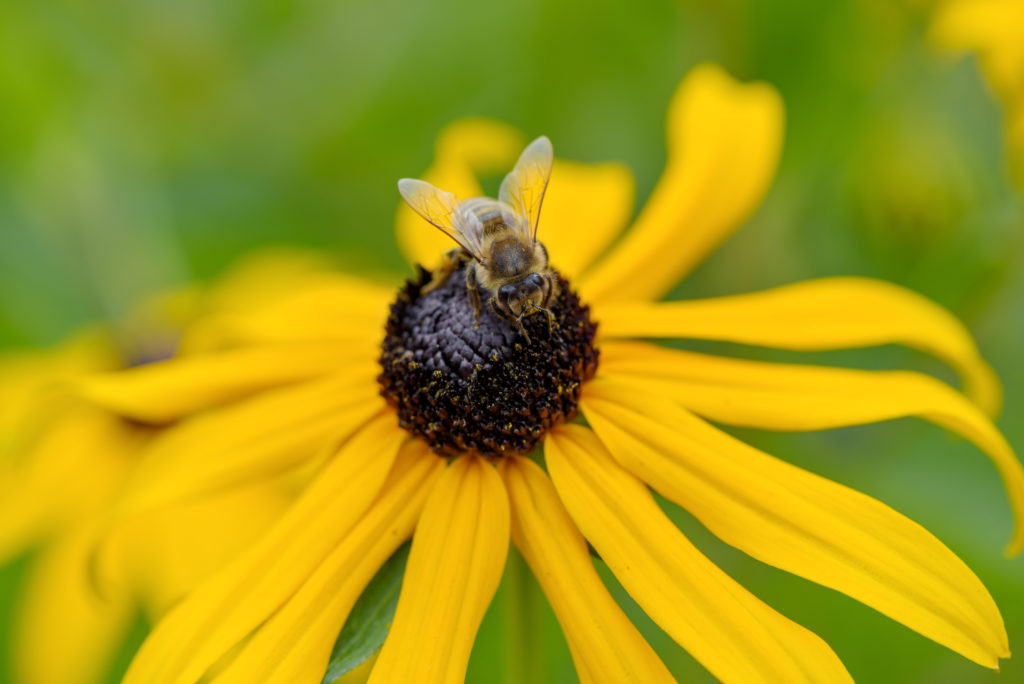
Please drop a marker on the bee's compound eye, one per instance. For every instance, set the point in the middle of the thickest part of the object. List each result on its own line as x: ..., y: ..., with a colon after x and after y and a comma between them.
x: 506, y: 292
x: 535, y: 280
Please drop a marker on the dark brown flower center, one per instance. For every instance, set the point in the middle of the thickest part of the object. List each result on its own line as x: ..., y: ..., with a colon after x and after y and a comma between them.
x: 465, y: 385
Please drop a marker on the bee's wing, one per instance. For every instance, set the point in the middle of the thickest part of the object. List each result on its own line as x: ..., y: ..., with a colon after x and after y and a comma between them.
x: 523, y: 188
x: 441, y: 209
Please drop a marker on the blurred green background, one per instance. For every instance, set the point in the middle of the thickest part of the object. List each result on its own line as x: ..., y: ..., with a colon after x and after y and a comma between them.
x: 146, y: 144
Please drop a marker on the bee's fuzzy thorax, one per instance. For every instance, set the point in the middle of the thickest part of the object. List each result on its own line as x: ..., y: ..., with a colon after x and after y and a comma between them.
x: 482, y: 387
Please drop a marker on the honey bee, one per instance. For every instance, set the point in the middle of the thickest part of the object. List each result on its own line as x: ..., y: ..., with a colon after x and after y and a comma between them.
x: 497, y: 238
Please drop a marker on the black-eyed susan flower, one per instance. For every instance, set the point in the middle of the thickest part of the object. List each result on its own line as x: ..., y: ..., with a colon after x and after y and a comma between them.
x: 994, y: 31
x: 300, y: 378
x: 63, y: 461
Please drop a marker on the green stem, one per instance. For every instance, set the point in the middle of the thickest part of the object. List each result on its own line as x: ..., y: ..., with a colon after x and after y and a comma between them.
x: 525, y: 642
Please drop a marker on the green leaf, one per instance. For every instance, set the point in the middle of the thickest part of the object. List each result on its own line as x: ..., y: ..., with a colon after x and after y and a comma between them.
x: 370, y: 620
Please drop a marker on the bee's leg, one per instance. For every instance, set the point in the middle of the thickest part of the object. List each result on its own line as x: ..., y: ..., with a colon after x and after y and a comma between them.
x: 522, y: 331
x: 474, y: 293
x: 518, y: 321
x: 551, y: 318
x: 450, y: 263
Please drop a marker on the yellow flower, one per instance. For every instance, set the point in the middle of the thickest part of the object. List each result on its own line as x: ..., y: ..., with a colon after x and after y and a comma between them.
x: 994, y: 30
x: 62, y: 463
x: 294, y: 381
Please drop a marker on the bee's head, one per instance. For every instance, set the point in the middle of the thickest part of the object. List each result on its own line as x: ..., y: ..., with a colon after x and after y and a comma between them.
x: 525, y: 296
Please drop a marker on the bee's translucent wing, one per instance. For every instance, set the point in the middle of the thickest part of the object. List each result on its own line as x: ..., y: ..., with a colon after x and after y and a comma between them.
x: 524, y: 187
x: 441, y: 209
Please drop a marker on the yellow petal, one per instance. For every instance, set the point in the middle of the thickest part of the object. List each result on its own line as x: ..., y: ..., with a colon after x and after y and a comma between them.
x: 295, y: 645
x: 264, y: 435
x: 67, y: 472
x: 167, y: 391
x: 585, y: 208
x: 603, y: 639
x: 455, y: 564
x: 164, y: 554
x: 31, y: 378
x: 63, y: 631
x: 724, y: 140
x: 465, y: 150
x: 729, y: 630
x: 359, y: 675
x: 831, y: 313
x: 331, y: 307
x: 780, y: 396
x: 264, y: 274
x: 797, y: 521
x: 227, y: 607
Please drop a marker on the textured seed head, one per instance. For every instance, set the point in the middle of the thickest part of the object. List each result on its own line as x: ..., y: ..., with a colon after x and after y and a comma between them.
x: 465, y: 385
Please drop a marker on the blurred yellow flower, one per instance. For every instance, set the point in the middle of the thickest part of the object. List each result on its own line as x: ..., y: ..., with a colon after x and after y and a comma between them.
x: 293, y: 380
x: 63, y: 462
x: 994, y: 30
